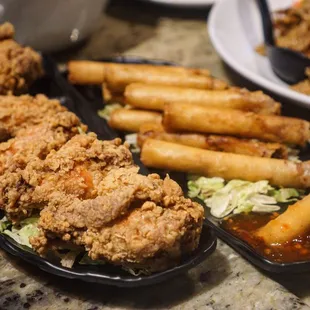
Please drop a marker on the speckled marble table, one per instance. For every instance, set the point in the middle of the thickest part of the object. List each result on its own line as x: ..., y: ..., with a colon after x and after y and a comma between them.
x: 224, y: 280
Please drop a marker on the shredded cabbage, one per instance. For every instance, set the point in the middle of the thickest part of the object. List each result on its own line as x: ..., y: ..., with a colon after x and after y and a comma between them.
x: 131, y: 139
x: 4, y: 224
x: 69, y: 258
x: 86, y: 260
x: 108, y: 109
x: 239, y: 196
x: 80, y: 130
x: 26, y: 229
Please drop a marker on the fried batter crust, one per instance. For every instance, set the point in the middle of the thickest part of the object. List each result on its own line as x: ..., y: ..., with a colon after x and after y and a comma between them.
x: 19, y: 66
x: 37, y: 141
x: 17, y: 113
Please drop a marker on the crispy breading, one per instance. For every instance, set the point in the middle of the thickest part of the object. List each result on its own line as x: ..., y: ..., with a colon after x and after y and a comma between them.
x: 89, y: 192
x: 77, y: 168
x: 124, y: 227
x: 7, y: 31
x: 17, y: 113
x: 38, y: 140
x: 19, y: 66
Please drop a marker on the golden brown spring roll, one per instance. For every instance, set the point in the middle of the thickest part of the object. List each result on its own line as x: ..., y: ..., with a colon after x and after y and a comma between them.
x: 119, y: 77
x: 131, y: 120
x: 110, y: 97
x: 86, y: 72
x: 290, y: 224
x: 172, y: 156
x: 154, y: 97
x: 213, y: 142
x: 93, y: 72
x: 196, y: 118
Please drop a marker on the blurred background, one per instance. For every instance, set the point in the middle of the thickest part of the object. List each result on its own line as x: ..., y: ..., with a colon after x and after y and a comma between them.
x: 98, y: 28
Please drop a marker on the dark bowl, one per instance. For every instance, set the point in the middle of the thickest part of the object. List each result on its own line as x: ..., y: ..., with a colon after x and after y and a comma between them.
x: 94, y: 97
x: 55, y: 85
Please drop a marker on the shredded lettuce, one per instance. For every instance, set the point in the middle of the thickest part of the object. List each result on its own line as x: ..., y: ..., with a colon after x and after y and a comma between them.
x: 239, y: 196
x: 69, y: 258
x: 80, y: 130
x: 86, y: 260
x: 4, y: 224
x: 286, y: 194
x: 137, y: 272
x: 25, y: 229
x: 204, y: 187
x: 131, y: 139
x: 108, y: 109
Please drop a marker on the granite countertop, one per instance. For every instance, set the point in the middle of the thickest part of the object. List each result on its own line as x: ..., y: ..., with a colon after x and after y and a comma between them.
x: 225, y: 280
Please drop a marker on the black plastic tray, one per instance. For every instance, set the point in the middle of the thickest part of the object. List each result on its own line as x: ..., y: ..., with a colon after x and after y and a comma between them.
x: 54, y: 85
x: 93, y: 95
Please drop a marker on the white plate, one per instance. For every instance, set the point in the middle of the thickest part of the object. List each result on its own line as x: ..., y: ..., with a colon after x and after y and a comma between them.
x: 184, y: 3
x: 235, y: 30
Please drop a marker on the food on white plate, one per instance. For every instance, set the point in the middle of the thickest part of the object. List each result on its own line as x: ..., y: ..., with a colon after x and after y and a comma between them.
x: 292, y: 28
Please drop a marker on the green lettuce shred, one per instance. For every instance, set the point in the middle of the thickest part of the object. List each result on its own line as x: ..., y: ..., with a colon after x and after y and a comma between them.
x: 108, y: 109
x: 239, y: 196
x: 86, y: 260
x: 23, y: 231
x: 131, y: 139
x: 4, y: 224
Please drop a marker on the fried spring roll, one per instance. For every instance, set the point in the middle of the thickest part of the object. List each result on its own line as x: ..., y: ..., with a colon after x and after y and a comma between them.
x: 195, y: 118
x: 93, y: 72
x: 290, y: 224
x: 213, y: 142
x: 154, y: 97
x: 86, y: 72
x: 131, y: 120
x: 119, y: 77
x: 171, y: 156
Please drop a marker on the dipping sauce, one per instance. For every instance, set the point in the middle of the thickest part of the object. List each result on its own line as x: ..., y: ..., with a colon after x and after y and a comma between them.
x: 243, y: 226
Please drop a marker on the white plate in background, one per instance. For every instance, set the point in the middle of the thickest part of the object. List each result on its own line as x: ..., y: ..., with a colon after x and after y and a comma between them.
x: 235, y: 30
x: 184, y: 3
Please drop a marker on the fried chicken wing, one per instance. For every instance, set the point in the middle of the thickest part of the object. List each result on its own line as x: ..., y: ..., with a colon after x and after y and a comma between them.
x: 88, y: 192
x: 17, y: 113
x: 124, y: 226
x: 77, y: 168
x: 19, y: 66
x: 37, y: 141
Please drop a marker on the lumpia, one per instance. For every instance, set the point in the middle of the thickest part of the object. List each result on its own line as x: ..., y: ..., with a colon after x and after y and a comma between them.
x: 119, y: 77
x: 93, y: 72
x: 86, y: 72
x: 171, y: 156
x: 213, y: 142
x: 290, y: 224
x: 131, y: 120
x: 195, y: 118
x: 154, y: 97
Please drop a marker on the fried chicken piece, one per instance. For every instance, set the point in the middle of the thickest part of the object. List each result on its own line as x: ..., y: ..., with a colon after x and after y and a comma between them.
x: 37, y: 141
x: 77, y: 168
x: 19, y: 66
x: 127, y: 226
x: 20, y: 112
x: 7, y: 31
